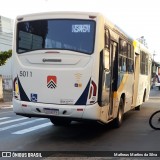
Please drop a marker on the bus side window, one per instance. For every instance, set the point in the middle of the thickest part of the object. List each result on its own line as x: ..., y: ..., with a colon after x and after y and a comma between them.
x: 122, y: 56
x: 130, y: 59
x: 107, y: 38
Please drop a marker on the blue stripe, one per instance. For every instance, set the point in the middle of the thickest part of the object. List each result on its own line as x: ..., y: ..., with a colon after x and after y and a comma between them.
x: 83, y: 98
x: 23, y: 95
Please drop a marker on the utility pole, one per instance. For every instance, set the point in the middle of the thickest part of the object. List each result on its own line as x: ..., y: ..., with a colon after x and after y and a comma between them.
x: 154, y: 66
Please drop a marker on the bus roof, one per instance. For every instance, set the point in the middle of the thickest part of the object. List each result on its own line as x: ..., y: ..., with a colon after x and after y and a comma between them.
x: 64, y: 13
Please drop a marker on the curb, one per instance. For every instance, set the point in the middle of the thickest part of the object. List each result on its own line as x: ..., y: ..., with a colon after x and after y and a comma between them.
x: 154, y: 98
x: 4, y: 105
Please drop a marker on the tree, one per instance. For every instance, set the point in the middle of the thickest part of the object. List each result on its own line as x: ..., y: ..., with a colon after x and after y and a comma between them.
x: 4, y: 56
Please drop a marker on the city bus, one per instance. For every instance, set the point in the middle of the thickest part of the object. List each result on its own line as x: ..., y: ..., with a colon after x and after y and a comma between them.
x: 77, y: 66
x: 156, y: 78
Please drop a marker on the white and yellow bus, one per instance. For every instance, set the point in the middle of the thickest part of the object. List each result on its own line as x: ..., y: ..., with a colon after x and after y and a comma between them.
x: 74, y: 66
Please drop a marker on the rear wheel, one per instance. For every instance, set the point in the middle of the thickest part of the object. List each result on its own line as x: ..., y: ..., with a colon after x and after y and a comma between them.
x: 60, y: 121
x: 119, y: 118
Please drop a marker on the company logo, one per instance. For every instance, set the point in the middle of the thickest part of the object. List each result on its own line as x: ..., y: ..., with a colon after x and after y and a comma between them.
x: 51, y: 82
x: 78, y: 77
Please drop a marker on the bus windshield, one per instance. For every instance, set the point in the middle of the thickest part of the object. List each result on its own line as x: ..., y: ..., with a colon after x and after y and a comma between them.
x: 58, y: 34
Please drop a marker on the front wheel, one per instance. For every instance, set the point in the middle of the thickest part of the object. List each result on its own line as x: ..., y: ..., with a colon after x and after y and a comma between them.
x: 154, y: 120
x: 119, y: 118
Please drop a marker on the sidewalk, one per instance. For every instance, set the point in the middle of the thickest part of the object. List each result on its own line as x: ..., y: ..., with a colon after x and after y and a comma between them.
x: 6, y: 105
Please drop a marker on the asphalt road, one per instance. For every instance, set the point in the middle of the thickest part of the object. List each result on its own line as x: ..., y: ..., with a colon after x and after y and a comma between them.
x: 23, y: 134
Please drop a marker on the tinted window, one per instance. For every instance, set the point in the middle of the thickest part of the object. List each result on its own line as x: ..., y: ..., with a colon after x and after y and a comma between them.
x: 75, y: 35
x: 144, y: 63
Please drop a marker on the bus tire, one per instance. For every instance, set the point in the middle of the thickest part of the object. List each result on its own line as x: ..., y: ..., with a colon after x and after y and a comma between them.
x: 60, y: 121
x: 118, y: 120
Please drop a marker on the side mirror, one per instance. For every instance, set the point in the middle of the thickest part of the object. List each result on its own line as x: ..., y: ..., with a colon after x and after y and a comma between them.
x: 106, y: 60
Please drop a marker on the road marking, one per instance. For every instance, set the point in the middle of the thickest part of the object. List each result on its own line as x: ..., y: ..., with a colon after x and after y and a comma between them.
x: 15, y: 120
x: 4, y: 118
x: 33, y: 128
x: 20, y: 124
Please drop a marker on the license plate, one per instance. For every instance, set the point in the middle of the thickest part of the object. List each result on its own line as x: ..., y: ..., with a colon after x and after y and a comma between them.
x: 51, y: 111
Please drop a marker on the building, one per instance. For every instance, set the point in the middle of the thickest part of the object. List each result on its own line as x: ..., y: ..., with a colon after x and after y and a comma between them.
x: 6, y: 35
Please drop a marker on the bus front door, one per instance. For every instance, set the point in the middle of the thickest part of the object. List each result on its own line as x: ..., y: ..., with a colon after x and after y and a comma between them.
x: 108, y: 73
x: 113, y: 75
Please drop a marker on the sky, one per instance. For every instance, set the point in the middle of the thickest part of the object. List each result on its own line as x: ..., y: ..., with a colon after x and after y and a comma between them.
x: 137, y: 18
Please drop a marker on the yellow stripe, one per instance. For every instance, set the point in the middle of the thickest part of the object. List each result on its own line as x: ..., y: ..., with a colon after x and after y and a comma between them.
x: 121, y: 87
x: 134, y: 44
x: 124, y: 80
x: 115, y: 95
x: 16, y: 88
